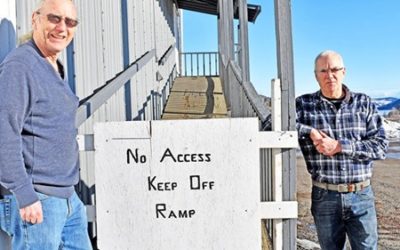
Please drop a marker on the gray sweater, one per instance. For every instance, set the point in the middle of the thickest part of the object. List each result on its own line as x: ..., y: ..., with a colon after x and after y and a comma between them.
x: 38, y: 148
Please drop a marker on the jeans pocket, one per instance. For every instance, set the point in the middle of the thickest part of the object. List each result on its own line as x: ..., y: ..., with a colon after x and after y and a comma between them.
x: 318, y: 194
x: 5, y: 214
x: 366, y: 194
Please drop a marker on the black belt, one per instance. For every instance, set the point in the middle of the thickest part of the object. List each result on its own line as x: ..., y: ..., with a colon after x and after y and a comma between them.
x: 3, y: 192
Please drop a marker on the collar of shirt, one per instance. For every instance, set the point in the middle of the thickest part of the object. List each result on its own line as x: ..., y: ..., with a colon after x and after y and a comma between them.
x: 320, y: 99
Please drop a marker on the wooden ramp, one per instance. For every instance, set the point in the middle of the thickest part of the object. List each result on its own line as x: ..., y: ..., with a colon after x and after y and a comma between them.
x: 195, y: 98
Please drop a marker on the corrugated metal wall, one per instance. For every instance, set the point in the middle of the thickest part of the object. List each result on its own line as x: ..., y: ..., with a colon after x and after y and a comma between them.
x: 111, y: 36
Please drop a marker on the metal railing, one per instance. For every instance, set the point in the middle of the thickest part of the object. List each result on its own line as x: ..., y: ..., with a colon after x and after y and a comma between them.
x: 199, y: 64
x: 242, y: 98
x: 90, y: 104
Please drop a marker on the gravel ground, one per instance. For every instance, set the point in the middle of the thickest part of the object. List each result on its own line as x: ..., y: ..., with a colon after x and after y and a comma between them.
x: 386, y: 185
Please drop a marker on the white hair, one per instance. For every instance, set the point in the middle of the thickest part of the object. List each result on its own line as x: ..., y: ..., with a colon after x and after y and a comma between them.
x: 328, y: 53
x: 40, y: 4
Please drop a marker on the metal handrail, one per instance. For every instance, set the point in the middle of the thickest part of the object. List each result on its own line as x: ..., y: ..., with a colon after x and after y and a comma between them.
x: 252, y: 97
x: 208, y: 64
x: 199, y: 63
x: 91, y: 103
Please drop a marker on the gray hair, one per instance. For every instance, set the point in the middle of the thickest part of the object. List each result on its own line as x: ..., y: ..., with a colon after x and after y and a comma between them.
x: 327, y: 53
x: 40, y: 4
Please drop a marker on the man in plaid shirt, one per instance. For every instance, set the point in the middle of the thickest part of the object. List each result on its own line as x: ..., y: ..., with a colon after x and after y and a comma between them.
x: 340, y: 134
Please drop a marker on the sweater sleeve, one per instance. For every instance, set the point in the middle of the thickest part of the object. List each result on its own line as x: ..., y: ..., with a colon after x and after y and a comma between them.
x: 16, y: 97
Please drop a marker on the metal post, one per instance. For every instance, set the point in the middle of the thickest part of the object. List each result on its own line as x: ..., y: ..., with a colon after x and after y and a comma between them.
x: 209, y: 63
x: 216, y: 65
x: 198, y: 66
x: 185, y: 64
x: 204, y: 64
x: 191, y: 64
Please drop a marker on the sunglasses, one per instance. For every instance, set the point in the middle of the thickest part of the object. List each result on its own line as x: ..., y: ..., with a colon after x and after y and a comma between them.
x: 55, y: 19
x: 333, y: 70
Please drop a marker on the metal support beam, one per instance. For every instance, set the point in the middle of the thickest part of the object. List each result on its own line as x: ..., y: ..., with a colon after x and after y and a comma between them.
x: 286, y: 75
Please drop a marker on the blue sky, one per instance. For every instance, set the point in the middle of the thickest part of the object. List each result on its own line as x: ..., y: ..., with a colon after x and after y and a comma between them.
x: 365, y: 32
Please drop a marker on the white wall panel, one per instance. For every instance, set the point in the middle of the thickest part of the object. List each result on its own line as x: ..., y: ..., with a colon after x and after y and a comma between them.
x: 135, y: 97
x: 89, y: 57
x: 139, y: 29
x: 164, y: 25
x: 149, y: 25
x: 113, y: 55
x: 131, y: 29
x: 112, y: 37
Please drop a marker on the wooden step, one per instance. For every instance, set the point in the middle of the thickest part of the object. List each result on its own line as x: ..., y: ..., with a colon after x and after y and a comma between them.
x: 196, y: 98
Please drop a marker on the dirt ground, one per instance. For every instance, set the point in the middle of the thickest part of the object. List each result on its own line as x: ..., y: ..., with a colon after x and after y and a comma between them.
x: 386, y: 185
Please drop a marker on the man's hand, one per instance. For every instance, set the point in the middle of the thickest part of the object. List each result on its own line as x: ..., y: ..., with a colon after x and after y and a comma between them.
x: 325, y: 144
x: 32, y: 213
x: 315, y: 135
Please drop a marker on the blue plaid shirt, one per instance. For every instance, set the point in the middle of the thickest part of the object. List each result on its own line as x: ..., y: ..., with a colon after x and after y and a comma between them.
x: 356, y: 125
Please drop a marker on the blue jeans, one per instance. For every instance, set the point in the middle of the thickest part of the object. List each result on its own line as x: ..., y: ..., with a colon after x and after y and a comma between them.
x: 64, y: 224
x: 337, y: 214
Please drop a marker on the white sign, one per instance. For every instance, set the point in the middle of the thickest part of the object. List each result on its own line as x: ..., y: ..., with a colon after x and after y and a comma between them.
x: 182, y: 184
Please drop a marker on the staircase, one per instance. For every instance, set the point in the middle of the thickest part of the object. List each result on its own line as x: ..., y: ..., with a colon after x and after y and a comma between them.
x: 196, y: 97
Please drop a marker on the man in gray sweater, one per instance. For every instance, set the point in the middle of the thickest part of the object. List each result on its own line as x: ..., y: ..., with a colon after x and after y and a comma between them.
x: 39, y: 153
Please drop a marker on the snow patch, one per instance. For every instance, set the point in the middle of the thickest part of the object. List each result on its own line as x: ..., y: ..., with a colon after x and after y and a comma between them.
x: 392, y: 129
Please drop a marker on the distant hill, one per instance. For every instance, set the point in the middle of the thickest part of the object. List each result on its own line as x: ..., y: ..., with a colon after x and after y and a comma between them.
x: 384, y: 100
x: 387, y: 103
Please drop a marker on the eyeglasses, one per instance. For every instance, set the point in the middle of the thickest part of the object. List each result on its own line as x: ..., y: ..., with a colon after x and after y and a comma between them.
x: 55, y: 19
x: 333, y: 70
